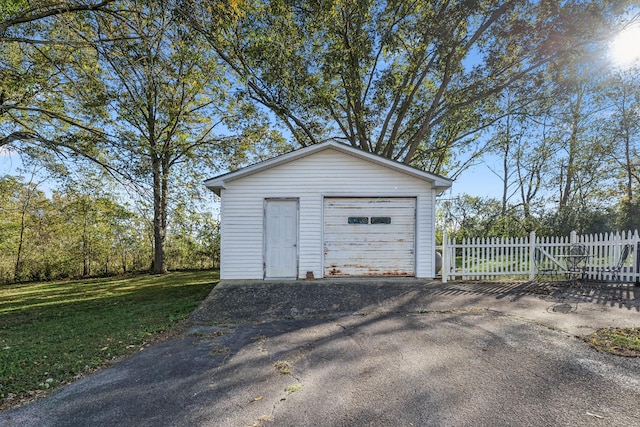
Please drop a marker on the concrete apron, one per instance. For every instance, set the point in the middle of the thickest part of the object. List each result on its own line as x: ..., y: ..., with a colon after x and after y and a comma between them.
x: 573, y: 308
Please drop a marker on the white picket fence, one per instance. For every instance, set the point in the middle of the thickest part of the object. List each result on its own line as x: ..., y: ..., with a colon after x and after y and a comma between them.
x: 495, y: 258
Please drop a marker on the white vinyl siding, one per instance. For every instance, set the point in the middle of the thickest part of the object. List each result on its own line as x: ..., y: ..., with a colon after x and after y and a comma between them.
x: 310, y: 179
x: 383, y: 245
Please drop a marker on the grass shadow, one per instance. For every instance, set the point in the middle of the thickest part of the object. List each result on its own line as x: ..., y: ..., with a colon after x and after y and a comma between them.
x: 54, y: 332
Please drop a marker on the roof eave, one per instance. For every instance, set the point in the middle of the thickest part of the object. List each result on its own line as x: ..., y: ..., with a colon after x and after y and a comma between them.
x: 217, y: 184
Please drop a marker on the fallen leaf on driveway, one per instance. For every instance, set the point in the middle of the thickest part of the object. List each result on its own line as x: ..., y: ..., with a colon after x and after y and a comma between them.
x: 594, y: 415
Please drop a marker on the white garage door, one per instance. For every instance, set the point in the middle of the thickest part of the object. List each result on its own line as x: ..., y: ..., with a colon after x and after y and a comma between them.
x: 369, y: 236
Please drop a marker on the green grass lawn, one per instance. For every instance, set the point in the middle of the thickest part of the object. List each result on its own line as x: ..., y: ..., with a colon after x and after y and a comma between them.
x: 54, y: 332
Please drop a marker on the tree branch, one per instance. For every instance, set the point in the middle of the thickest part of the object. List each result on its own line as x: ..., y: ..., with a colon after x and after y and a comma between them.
x: 46, y: 11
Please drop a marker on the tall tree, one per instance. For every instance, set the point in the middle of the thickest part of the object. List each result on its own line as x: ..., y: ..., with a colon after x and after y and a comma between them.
x: 509, y: 133
x: 408, y: 80
x: 581, y: 163
x: 30, y: 199
x: 166, y: 100
x: 620, y: 129
x: 622, y: 93
x: 533, y: 160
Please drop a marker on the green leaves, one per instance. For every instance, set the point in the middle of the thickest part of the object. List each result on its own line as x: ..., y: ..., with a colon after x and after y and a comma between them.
x: 395, y: 77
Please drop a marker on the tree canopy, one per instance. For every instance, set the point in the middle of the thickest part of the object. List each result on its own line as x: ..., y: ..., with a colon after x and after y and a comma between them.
x: 40, y: 59
x: 128, y: 86
x: 412, y: 81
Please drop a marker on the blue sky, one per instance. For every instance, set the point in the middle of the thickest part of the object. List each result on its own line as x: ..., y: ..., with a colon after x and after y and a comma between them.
x: 478, y: 180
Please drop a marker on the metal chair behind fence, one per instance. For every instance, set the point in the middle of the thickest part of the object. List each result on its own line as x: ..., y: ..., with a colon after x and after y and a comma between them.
x: 616, y: 269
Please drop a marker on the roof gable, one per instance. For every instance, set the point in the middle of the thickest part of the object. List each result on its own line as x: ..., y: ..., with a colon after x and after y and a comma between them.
x: 217, y: 183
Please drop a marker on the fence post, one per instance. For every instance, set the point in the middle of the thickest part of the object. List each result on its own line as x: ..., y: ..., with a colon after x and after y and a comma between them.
x: 445, y: 256
x: 532, y: 253
x: 573, y: 237
x: 636, y: 239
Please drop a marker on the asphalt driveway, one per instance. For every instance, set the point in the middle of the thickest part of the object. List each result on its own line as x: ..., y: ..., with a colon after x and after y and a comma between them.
x: 406, y: 356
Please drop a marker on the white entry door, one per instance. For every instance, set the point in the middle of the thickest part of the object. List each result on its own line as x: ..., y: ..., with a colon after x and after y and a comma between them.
x: 281, y: 239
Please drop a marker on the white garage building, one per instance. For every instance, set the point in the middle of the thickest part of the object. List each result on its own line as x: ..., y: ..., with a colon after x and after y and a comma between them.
x: 327, y: 210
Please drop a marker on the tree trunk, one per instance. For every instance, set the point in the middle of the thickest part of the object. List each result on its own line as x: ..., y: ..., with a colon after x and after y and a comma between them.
x: 567, y: 190
x: 124, y: 260
x: 18, y: 266
x: 86, y: 267
x: 505, y: 162
x: 628, y: 164
x: 160, y: 189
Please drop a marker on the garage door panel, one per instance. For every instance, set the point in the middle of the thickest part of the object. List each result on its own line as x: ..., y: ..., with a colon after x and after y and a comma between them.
x: 368, y: 244
x: 370, y: 229
x: 381, y: 249
x: 383, y: 260
x: 397, y: 223
x: 367, y: 202
x: 397, y: 218
x: 398, y: 230
x: 398, y: 268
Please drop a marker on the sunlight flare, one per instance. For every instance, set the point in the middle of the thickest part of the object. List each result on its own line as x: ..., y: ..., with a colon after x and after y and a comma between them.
x: 625, y: 49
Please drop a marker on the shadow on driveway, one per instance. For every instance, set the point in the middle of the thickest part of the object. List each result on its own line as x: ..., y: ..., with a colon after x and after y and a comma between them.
x: 622, y: 295
x: 378, y: 353
x: 246, y: 300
